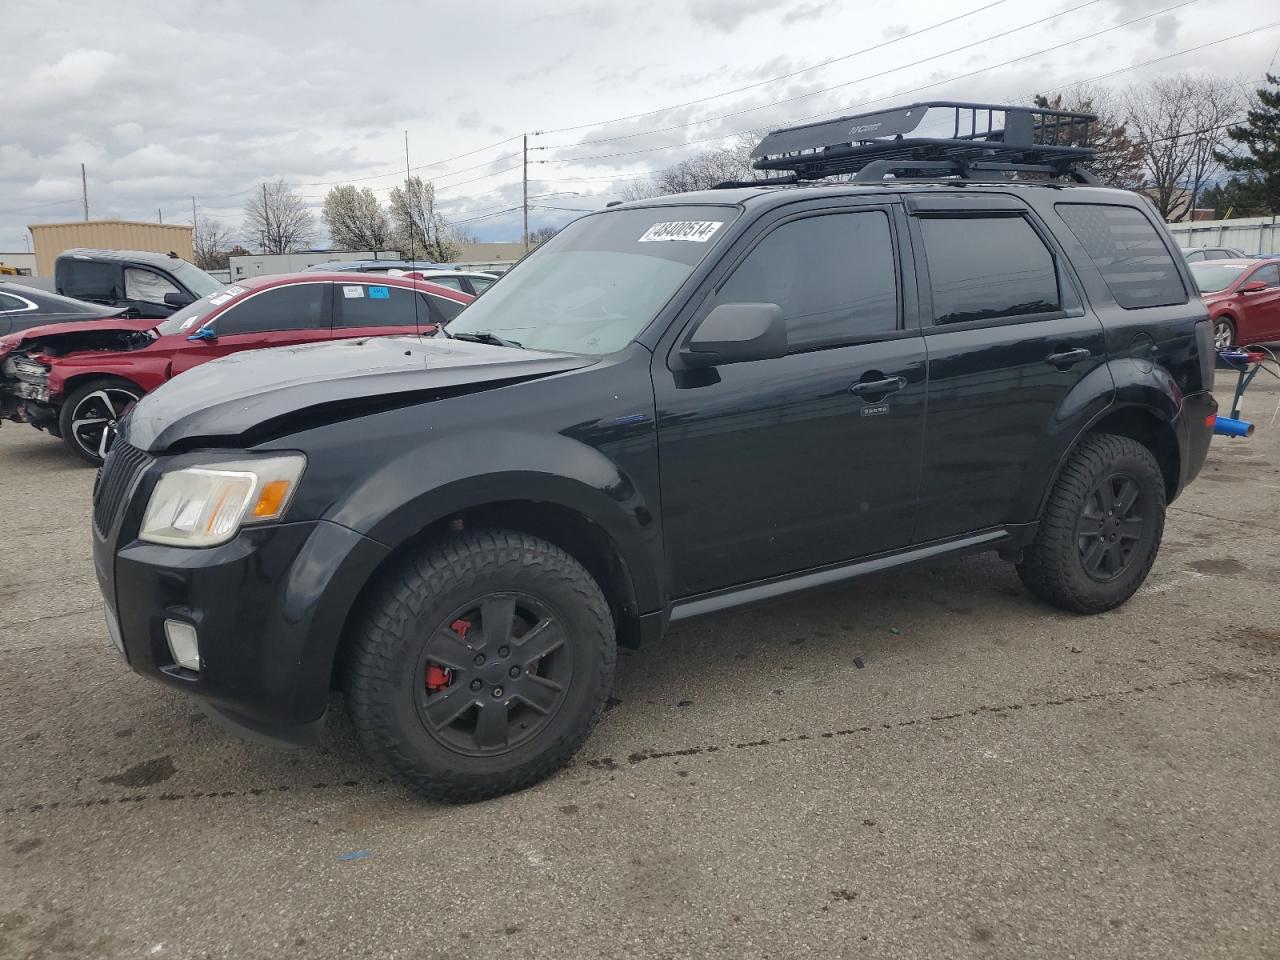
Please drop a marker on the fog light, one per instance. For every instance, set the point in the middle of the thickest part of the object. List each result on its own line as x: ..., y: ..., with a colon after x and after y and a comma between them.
x: 183, y: 644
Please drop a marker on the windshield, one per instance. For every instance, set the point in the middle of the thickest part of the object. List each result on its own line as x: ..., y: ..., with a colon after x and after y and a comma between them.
x: 190, y: 316
x: 195, y: 279
x: 1212, y: 277
x: 595, y: 285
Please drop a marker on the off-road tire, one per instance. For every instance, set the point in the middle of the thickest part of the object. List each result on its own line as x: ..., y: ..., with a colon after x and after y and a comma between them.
x: 405, y: 608
x: 116, y: 388
x: 1052, y: 567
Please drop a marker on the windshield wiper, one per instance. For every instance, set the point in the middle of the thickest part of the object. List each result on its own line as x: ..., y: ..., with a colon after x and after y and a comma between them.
x: 484, y: 336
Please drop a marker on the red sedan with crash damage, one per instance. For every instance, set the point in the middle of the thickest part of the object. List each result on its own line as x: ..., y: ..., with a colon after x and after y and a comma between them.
x: 75, y: 380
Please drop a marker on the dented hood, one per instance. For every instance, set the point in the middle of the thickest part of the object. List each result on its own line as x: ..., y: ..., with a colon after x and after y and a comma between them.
x: 65, y: 333
x: 285, y: 388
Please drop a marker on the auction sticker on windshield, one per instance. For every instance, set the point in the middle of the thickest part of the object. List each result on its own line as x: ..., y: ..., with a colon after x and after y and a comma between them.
x: 698, y: 231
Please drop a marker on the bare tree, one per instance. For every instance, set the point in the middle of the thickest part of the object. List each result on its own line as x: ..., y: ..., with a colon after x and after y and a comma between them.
x: 1118, y: 158
x: 355, y: 219
x: 278, y: 218
x: 542, y: 235
x: 701, y: 171
x: 209, y: 242
x: 421, y: 230
x: 1181, y: 123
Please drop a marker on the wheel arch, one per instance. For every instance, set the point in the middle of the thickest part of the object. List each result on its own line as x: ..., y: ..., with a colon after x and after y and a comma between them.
x: 586, y: 541
x: 1143, y: 423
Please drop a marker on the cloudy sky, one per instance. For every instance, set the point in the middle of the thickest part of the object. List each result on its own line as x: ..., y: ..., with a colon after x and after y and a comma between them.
x: 168, y: 101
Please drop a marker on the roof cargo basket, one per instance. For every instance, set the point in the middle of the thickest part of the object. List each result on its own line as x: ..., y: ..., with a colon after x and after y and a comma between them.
x: 973, y: 141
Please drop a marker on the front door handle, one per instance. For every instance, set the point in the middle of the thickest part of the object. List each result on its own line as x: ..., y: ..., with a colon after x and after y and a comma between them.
x: 878, y: 388
x: 1068, y: 358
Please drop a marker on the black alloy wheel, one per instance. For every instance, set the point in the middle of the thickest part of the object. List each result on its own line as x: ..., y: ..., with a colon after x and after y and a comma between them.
x: 494, y: 673
x: 1111, y: 527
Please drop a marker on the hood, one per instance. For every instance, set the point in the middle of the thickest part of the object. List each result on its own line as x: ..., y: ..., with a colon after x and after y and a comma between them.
x: 271, y: 392
x: 53, y: 333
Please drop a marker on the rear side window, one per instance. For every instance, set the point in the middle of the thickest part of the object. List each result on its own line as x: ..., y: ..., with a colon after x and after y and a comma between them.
x: 1128, y: 251
x: 986, y: 268
x: 378, y: 305
x: 832, y: 275
x: 89, y: 280
x: 299, y: 306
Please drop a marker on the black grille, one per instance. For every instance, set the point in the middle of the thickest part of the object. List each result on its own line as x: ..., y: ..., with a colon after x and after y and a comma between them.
x: 119, y: 471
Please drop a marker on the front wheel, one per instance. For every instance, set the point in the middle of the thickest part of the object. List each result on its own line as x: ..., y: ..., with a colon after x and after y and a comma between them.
x: 1224, y: 334
x: 89, y: 415
x: 480, y: 665
x: 1101, y: 528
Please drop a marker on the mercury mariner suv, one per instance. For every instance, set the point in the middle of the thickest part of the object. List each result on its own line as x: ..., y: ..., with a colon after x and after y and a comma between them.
x: 674, y: 407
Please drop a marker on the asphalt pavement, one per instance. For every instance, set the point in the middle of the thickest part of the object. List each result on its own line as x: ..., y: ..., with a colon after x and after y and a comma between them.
x: 924, y: 763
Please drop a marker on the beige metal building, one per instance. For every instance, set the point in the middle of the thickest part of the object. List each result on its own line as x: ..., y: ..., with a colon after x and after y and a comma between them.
x: 50, y: 239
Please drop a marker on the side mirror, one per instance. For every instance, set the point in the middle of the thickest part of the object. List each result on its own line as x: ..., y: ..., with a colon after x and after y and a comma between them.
x: 1253, y: 286
x: 735, y: 333
x: 207, y: 332
x: 178, y: 299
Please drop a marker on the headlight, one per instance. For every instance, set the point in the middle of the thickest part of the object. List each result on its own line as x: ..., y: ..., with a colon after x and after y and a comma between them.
x: 206, y: 506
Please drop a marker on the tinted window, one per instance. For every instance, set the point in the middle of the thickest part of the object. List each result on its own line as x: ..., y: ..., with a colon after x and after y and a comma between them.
x: 446, y: 308
x: 377, y: 305
x: 1128, y: 252
x: 11, y: 303
x: 481, y: 284
x: 982, y: 268
x: 299, y: 306
x: 1191, y: 257
x: 146, y: 285
x: 1270, y: 275
x: 833, y: 276
x: 90, y: 280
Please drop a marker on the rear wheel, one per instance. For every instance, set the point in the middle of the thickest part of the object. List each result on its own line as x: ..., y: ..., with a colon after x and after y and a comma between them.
x: 1101, y: 528
x: 89, y: 415
x: 481, y: 665
x: 1224, y: 333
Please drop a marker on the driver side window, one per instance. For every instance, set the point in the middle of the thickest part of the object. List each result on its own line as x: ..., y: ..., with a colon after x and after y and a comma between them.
x: 832, y: 274
x: 299, y: 306
x: 146, y: 285
x: 1270, y: 275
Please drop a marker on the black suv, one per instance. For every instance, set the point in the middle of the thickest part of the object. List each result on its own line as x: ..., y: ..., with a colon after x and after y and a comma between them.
x: 673, y: 407
x: 142, y: 284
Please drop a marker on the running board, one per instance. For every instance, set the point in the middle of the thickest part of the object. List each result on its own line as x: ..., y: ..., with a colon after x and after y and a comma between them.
x: 778, y: 586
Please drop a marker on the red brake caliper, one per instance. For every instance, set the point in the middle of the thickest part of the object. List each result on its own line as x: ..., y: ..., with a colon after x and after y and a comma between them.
x: 440, y: 677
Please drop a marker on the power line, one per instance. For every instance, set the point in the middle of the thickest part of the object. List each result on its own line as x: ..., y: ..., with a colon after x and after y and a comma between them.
x: 784, y: 76
x: 814, y: 93
x: 927, y: 86
x: 41, y: 206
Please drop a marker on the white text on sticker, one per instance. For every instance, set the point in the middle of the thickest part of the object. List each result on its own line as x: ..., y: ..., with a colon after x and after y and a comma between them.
x: 699, y: 231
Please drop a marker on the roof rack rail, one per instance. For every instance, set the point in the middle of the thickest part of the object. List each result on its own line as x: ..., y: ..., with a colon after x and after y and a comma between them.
x: 987, y: 141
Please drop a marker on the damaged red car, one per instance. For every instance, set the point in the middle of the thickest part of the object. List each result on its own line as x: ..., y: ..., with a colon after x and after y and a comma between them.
x: 75, y: 380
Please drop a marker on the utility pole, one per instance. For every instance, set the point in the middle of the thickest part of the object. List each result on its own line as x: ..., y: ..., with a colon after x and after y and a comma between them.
x: 526, y: 193
x: 266, y: 218
x: 160, y: 214
x: 193, y: 213
x: 84, y: 191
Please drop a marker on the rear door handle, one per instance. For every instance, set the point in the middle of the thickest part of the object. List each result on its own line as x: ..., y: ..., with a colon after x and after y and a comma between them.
x: 878, y: 388
x: 1068, y: 357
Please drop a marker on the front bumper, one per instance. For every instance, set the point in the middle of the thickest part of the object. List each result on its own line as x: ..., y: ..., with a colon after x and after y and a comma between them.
x: 268, y: 607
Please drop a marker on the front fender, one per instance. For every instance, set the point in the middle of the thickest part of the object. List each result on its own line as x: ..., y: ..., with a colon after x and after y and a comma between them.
x: 429, y: 482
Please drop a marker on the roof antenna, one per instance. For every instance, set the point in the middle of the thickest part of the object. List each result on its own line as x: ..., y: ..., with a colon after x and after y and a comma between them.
x: 417, y: 323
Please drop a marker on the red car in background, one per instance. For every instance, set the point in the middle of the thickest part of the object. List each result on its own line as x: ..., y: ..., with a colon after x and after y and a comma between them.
x: 75, y: 380
x: 1243, y: 297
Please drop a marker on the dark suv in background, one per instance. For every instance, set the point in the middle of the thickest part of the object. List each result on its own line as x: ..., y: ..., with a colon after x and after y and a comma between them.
x: 673, y: 407
x: 142, y: 284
